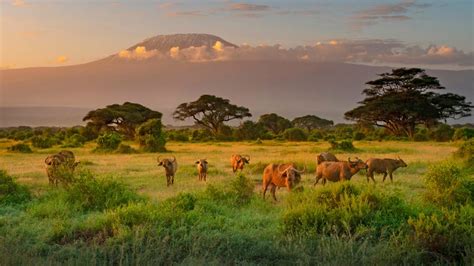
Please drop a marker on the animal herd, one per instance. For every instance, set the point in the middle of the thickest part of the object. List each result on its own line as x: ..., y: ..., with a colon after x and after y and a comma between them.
x: 329, y: 168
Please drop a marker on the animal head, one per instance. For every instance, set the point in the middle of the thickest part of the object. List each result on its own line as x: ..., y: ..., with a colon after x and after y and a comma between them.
x: 319, y: 158
x: 401, y: 163
x: 166, y: 163
x: 292, y: 174
x: 201, y: 163
x: 53, y: 160
x: 357, y: 164
x: 242, y: 160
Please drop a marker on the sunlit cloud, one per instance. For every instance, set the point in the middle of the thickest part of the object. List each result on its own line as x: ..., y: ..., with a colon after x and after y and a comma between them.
x: 245, y: 7
x: 340, y: 50
x: 192, y: 13
x: 19, y: 3
x: 62, y: 59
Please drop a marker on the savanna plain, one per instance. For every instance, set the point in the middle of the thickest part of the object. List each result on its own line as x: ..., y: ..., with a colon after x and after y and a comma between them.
x: 121, y: 211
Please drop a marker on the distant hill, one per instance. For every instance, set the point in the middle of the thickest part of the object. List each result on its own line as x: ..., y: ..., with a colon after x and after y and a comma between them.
x: 290, y: 88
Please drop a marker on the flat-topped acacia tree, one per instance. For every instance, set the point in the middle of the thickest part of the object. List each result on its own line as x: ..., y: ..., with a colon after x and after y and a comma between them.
x: 123, y: 118
x: 211, y: 112
x: 404, y: 98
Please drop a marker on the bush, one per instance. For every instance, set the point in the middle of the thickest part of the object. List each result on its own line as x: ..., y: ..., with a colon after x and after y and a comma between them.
x: 450, y: 233
x: 125, y: 149
x: 295, y: 134
x: 150, y: 136
x: 344, y: 209
x: 108, y: 141
x: 443, y: 132
x: 42, y: 142
x: 463, y: 133
x: 345, y: 145
x: 419, y: 136
x: 74, y: 141
x: 11, y: 192
x: 92, y: 194
x: 447, y: 185
x: 358, y: 135
x: 239, y: 193
x: 466, y: 152
x: 315, y: 135
x: 21, y: 148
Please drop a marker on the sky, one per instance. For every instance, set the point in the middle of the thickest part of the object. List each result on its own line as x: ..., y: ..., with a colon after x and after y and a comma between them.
x: 68, y: 32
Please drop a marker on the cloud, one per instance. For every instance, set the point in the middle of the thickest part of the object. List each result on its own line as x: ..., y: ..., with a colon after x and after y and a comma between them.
x: 385, y: 12
x: 62, y: 59
x: 19, y: 3
x: 139, y: 53
x: 245, y: 7
x: 167, y: 5
x: 391, y: 52
x: 192, y: 13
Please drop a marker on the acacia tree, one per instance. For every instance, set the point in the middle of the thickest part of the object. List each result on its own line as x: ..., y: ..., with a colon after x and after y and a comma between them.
x: 274, y: 123
x: 310, y: 122
x: 210, y: 112
x: 400, y: 100
x: 121, y: 118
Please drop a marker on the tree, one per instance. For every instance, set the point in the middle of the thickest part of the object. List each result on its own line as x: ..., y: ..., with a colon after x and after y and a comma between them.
x: 211, y: 112
x: 121, y: 118
x: 310, y: 122
x: 250, y: 130
x: 400, y: 100
x: 150, y: 136
x: 274, y: 123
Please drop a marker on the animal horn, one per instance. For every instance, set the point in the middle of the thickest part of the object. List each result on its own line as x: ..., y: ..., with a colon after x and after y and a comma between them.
x: 158, y: 159
x: 349, y: 160
x: 281, y: 172
x: 247, y: 157
x: 174, y: 158
x: 300, y: 171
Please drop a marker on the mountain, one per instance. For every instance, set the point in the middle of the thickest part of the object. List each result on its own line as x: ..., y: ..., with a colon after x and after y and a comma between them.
x: 290, y: 88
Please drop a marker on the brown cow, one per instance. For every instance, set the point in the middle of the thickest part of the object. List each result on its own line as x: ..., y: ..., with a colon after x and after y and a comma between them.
x: 338, y: 171
x: 171, y: 166
x: 238, y: 161
x: 60, y: 164
x: 383, y: 166
x: 280, y: 175
x: 202, y: 169
x: 326, y: 157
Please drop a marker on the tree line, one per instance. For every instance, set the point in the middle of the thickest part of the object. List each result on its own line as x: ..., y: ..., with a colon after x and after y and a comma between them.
x: 402, y: 104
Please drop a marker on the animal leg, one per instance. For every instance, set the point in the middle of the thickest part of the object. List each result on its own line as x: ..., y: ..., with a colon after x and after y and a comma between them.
x: 391, y: 177
x: 384, y: 176
x: 324, y: 181
x: 318, y: 177
x: 272, y: 190
x: 264, y: 189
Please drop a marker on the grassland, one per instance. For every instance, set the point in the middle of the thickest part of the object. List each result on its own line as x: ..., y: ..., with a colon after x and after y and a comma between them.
x: 162, y: 228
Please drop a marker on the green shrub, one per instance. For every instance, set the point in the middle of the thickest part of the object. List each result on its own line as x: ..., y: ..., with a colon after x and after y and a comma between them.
x: 42, y: 142
x: 21, y: 148
x: 463, y: 133
x: 108, y: 141
x: 89, y: 193
x: 443, y: 132
x: 446, y: 185
x: 450, y: 233
x: 345, y: 145
x: 466, y: 152
x: 421, y: 136
x: 295, y: 134
x: 315, y: 135
x: 242, y: 189
x: 150, y: 136
x: 344, y: 209
x: 74, y: 141
x: 11, y: 192
x: 357, y: 135
x: 125, y: 149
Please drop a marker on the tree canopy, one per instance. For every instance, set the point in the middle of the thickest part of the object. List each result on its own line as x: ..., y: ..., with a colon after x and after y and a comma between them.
x: 274, y: 123
x: 400, y: 100
x: 211, y: 112
x: 121, y: 118
x: 310, y: 122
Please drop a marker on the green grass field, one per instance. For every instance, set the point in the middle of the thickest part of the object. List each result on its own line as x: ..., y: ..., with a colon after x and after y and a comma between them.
x: 214, y: 230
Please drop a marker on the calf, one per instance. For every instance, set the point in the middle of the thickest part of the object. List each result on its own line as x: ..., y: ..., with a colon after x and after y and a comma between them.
x: 238, y: 161
x: 383, y: 166
x: 202, y: 169
x: 171, y: 166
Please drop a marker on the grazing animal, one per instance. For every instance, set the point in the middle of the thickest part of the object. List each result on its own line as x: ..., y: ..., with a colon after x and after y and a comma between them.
x: 238, y: 161
x: 338, y: 171
x: 280, y: 175
x: 171, y: 166
x: 326, y: 157
x: 202, y: 169
x: 383, y: 166
x: 60, y: 164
